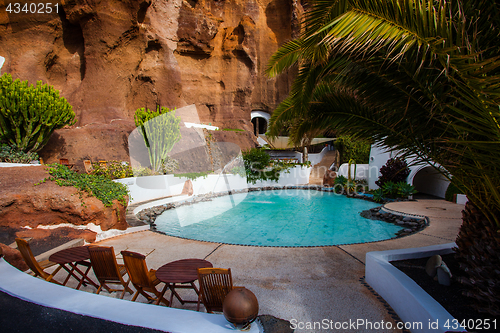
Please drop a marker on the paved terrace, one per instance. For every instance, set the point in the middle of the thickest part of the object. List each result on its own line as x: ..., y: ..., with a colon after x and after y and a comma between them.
x: 300, y: 284
x: 305, y: 284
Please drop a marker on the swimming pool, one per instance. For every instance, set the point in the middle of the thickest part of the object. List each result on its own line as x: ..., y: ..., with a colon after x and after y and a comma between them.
x: 291, y: 218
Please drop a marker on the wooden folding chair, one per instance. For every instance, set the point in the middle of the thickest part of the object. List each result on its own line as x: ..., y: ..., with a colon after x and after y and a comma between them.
x: 36, y: 267
x: 143, y: 280
x: 88, y: 166
x: 107, y: 270
x: 65, y: 161
x: 215, y: 284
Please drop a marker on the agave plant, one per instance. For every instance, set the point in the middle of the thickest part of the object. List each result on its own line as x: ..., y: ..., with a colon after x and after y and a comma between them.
x: 404, y: 190
x: 390, y: 189
x: 417, y: 76
x: 378, y: 195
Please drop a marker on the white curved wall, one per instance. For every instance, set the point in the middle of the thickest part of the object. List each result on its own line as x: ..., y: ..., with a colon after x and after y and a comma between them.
x: 261, y: 114
x: 155, y: 187
x: 423, y: 176
x: 428, y: 180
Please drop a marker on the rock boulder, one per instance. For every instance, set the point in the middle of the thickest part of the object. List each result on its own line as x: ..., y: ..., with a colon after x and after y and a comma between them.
x: 23, y: 204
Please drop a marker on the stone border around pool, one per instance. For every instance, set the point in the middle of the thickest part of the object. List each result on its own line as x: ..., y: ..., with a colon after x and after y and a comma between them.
x: 410, y: 223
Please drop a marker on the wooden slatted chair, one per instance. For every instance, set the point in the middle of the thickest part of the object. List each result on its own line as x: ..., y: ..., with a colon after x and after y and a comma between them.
x: 215, y: 284
x: 36, y: 267
x: 107, y: 270
x: 65, y: 161
x: 88, y: 166
x: 143, y: 280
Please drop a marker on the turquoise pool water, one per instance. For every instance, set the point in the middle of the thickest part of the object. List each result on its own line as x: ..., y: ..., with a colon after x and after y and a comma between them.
x: 277, y: 218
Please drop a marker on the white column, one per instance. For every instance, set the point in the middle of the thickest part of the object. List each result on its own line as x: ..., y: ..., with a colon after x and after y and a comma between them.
x: 2, y: 60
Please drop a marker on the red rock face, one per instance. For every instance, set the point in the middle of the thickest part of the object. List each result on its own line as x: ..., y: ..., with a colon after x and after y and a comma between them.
x: 109, y: 58
x: 22, y: 204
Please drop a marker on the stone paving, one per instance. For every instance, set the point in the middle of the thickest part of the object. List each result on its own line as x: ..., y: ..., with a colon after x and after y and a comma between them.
x: 301, y: 285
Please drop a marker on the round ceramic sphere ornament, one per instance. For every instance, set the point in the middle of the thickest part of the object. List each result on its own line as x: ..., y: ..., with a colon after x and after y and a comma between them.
x: 240, y: 308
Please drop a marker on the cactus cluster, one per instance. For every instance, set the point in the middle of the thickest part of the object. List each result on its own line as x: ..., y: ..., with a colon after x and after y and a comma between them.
x: 160, y: 130
x: 30, y: 114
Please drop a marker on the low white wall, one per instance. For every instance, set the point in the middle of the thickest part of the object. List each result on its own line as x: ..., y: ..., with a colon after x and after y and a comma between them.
x: 298, y: 175
x: 38, y: 291
x: 316, y: 158
x: 462, y: 199
x: 11, y: 165
x: 409, y: 300
x: 362, y: 170
x: 154, y: 187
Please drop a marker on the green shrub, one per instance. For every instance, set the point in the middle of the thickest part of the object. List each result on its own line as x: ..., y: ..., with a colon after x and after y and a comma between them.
x: 98, y: 186
x: 404, y: 190
x: 233, y: 129
x: 160, y: 130
x: 144, y: 172
x: 390, y: 189
x: 169, y: 165
x: 378, y: 195
x: 29, y: 115
x: 238, y: 170
x: 400, y: 190
x: 12, y: 155
x: 395, y: 170
x: 350, y: 149
x: 259, y: 166
x: 112, y: 169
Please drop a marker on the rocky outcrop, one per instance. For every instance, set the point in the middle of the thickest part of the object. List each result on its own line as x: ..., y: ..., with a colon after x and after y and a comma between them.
x: 109, y: 58
x: 13, y: 257
x: 25, y: 205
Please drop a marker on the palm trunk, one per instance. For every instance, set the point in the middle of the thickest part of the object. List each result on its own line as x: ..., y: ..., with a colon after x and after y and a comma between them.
x: 479, y: 256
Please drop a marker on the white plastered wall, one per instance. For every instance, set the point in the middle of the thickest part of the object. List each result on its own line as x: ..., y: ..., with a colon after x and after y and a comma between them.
x: 423, y: 176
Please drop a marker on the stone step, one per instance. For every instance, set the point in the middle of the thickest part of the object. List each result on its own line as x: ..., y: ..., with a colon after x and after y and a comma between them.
x: 318, y: 170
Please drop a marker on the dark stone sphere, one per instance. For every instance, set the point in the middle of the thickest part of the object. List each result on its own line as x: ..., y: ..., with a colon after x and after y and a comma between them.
x: 240, y: 307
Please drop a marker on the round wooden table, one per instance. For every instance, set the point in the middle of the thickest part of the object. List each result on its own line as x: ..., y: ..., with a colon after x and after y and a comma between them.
x: 73, y: 257
x: 179, y: 272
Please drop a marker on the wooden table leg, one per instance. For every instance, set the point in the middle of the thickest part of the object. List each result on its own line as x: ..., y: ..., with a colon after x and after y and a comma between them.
x: 70, y: 273
x: 172, y: 288
x: 161, y: 296
x: 81, y: 279
x: 192, y: 286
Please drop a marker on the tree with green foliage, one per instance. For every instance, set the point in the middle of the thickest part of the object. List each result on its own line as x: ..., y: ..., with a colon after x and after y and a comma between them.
x: 353, y: 149
x: 30, y: 114
x: 417, y: 76
x: 259, y: 166
x: 160, y: 130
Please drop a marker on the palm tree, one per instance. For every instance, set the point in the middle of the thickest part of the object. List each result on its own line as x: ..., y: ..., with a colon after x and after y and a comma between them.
x: 417, y: 76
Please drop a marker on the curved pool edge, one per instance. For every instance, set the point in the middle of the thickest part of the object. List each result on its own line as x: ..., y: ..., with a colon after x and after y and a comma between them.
x: 156, y: 210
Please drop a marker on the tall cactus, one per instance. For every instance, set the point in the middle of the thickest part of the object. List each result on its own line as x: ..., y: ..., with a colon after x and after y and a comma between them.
x: 160, y: 130
x: 29, y: 115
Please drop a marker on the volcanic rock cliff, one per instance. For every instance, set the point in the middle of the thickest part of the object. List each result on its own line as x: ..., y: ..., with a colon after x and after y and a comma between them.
x: 109, y: 58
